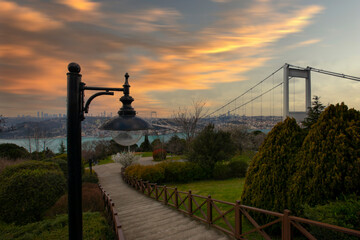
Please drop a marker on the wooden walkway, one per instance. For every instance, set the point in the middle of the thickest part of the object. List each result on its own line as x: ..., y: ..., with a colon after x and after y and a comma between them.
x: 145, y: 218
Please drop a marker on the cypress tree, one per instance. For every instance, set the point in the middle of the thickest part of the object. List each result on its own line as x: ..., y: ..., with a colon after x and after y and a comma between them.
x: 329, y: 162
x: 267, y: 179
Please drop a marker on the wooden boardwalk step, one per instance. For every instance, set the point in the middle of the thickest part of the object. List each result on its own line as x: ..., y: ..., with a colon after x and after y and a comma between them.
x: 144, y: 218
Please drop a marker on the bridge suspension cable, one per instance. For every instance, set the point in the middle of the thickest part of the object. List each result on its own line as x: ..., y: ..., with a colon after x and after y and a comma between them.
x: 257, y: 97
x: 335, y: 74
x: 250, y: 89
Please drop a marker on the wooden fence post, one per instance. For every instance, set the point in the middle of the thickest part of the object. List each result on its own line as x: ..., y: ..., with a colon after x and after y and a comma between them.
x: 190, y: 203
x: 165, y: 195
x: 176, y: 198
x: 238, y: 220
x: 156, y: 193
x: 148, y: 188
x: 209, y: 210
x: 286, y: 226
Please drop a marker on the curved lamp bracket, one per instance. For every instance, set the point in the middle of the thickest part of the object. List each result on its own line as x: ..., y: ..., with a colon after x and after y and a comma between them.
x: 86, y: 109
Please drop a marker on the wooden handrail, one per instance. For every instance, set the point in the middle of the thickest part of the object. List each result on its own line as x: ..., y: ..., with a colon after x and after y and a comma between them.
x: 113, y: 215
x: 193, y: 206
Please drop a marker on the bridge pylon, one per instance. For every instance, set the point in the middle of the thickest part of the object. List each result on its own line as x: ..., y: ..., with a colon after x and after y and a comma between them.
x: 289, y: 72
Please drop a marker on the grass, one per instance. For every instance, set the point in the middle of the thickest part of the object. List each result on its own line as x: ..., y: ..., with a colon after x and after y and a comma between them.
x: 144, y: 154
x: 105, y: 161
x: 175, y: 157
x: 228, y: 190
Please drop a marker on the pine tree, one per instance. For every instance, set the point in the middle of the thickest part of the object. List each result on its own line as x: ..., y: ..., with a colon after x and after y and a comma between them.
x: 313, y: 113
x: 146, y: 146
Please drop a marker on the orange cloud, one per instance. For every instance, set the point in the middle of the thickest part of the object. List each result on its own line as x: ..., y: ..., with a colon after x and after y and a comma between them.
x: 81, y: 5
x: 112, y: 43
x: 26, y: 18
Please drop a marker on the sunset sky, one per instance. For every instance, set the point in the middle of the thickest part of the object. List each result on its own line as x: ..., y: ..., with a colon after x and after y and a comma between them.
x: 175, y: 51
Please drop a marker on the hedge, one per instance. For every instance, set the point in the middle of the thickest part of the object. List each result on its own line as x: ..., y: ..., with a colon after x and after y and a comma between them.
x: 343, y: 213
x: 95, y: 226
x: 167, y: 172
x: 26, y: 193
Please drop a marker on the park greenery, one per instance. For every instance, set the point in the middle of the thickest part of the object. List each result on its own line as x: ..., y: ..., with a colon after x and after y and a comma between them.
x: 305, y: 170
x: 33, y: 197
x: 312, y: 169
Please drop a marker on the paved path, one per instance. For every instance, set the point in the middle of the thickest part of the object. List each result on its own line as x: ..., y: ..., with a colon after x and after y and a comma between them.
x: 144, y: 218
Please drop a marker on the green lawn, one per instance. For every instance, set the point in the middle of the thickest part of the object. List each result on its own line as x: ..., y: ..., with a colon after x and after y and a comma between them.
x: 144, y: 154
x: 227, y: 190
x: 105, y: 161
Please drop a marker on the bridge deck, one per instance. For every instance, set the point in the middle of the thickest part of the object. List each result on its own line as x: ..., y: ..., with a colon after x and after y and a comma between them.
x: 144, y: 218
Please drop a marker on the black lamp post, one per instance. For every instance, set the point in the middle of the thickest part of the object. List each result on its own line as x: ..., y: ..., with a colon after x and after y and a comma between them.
x: 76, y: 108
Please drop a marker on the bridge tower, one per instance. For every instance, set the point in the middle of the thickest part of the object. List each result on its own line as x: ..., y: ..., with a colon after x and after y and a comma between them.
x: 289, y: 72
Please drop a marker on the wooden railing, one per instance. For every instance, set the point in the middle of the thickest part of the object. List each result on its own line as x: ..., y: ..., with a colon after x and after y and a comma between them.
x: 218, y: 213
x: 112, y: 214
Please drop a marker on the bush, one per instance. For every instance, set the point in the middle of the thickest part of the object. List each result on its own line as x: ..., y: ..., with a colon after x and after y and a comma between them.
x: 152, y: 173
x: 61, y: 163
x: 159, y: 154
x: 221, y: 171
x: 176, y: 145
x: 125, y: 158
x: 344, y: 213
x: 95, y: 226
x: 267, y: 179
x: 42, y: 155
x: 27, y: 190
x: 232, y: 169
x: 211, y: 146
x: 156, y: 144
x: 238, y: 168
x: 30, y: 165
x: 12, y: 151
x: 328, y: 165
x: 181, y: 171
x: 91, y: 201
x: 167, y: 172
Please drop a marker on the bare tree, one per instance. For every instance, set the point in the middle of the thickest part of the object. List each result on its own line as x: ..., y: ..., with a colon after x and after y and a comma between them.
x: 188, y: 118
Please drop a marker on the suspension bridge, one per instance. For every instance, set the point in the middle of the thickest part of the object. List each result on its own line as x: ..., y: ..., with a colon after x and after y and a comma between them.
x: 259, y: 107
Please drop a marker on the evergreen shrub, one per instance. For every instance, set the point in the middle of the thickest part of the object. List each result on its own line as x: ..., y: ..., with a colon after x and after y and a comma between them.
x: 13, y: 151
x: 343, y: 213
x: 267, y: 179
x: 329, y: 162
x: 26, y: 193
x: 159, y: 154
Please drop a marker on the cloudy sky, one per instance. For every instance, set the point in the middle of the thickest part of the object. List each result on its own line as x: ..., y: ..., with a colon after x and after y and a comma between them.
x: 175, y: 51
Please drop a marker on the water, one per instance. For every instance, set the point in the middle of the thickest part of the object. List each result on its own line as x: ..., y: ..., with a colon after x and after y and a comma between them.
x: 54, y: 143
